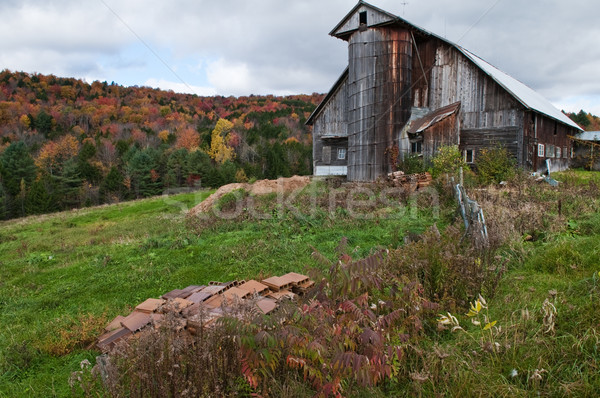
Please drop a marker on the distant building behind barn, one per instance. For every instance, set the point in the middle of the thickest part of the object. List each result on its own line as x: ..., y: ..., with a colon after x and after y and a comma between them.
x: 407, y: 90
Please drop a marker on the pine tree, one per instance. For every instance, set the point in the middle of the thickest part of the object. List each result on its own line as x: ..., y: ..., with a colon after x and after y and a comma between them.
x: 140, y: 169
x: 17, y: 165
x: 3, y: 203
x: 38, y: 199
x: 68, y: 185
x: 112, y: 186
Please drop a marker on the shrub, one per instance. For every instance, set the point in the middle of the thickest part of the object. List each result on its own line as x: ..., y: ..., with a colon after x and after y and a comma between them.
x: 412, y: 164
x: 447, y: 266
x: 495, y: 165
x: 448, y: 160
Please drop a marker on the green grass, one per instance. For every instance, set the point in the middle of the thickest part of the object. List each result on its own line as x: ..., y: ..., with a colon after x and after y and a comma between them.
x: 65, y: 275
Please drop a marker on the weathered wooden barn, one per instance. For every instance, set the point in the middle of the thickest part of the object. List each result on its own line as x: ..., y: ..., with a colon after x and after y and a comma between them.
x: 407, y: 90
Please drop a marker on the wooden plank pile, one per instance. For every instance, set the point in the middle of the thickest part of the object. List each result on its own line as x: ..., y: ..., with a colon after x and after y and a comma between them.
x: 410, y: 182
x: 199, y: 306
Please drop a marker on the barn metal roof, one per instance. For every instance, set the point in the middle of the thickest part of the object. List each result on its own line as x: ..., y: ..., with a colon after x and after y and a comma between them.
x: 432, y: 118
x: 529, y: 98
x: 589, y: 136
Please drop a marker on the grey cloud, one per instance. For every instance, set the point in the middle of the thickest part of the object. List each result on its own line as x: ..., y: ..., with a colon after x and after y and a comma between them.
x: 550, y: 45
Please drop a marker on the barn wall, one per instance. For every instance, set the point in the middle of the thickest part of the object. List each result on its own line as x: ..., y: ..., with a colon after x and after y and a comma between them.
x: 489, y: 115
x: 332, y: 121
x: 379, y: 81
x: 442, y: 133
x: 556, y: 143
x: 423, y: 62
x: 374, y: 17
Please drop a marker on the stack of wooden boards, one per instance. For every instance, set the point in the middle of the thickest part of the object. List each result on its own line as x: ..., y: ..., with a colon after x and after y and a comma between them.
x: 199, y: 306
x: 411, y: 182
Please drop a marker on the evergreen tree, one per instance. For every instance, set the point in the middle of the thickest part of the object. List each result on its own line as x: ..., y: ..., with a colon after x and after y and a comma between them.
x: 112, y: 186
x: 3, y: 203
x: 38, y: 199
x: 142, y: 171
x: 17, y: 165
x: 88, y: 171
x: 44, y: 124
x: 68, y: 185
x: 227, y: 171
x: 198, y: 162
x: 276, y: 164
x: 177, y: 166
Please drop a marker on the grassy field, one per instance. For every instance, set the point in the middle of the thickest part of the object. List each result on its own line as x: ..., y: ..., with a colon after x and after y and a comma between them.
x: 64, y: 276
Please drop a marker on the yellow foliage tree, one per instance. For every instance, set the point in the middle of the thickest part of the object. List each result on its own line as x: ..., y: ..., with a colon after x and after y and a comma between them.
x: 163, y: 135
x: 25, y: 121
x: 219, y: 151
x: 54, y: 154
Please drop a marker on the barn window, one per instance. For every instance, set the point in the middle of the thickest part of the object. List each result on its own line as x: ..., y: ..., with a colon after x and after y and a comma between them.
x: 565, y: 153
x: 540, y: 150
x: 363, y: 17
x: 416, y: 147
x: 469, y: 155
x: 549, y: 151
x: 341, y: 153
x: 557, y: 152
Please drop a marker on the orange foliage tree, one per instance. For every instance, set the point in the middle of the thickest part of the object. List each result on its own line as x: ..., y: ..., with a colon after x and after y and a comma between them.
x: 54, y: 153
x: 188, y: 139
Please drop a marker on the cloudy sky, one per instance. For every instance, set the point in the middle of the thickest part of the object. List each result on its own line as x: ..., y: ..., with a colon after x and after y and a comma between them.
x: 241, y: 47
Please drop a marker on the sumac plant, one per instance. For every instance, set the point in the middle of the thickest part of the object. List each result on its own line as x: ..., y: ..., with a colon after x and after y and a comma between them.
x: 349, y: 330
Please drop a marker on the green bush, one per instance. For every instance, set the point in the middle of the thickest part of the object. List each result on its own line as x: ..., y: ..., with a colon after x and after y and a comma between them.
x: 448, y: 160
x: 495, y: 165
x: 412, y: 164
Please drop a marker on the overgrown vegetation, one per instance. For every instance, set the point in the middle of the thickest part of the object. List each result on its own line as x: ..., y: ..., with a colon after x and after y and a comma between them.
x: 404, y: 304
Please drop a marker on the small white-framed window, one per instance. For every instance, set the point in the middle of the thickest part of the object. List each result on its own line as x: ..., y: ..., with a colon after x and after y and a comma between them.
x: 549, y: 151
x: 541, y: 150
x: 469, y: 155
x: 341, y: 153
x: 572, y: 153
x: 565, y: 152
x: 558, y: 152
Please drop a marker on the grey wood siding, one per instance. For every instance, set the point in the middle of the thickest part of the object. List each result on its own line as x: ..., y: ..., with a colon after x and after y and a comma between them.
x: 353, y: 23
x: 379, y: 98
x: 332, y: 120
x: 441, y: 133
x: 489, y: 114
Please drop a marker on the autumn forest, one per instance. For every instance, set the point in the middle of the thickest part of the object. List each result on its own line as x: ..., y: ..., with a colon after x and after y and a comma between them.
x: 65, y: 143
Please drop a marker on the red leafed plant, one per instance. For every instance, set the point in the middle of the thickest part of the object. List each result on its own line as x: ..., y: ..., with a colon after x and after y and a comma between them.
x: 348, y: 330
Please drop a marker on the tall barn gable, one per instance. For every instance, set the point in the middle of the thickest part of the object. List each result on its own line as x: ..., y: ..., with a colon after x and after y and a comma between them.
x: 399, y: 75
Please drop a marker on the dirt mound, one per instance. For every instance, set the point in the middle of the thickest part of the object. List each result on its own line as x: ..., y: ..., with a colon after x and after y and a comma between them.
x: 261, y: 187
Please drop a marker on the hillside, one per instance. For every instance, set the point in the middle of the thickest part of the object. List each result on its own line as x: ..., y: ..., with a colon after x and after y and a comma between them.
x: 65, y: 143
